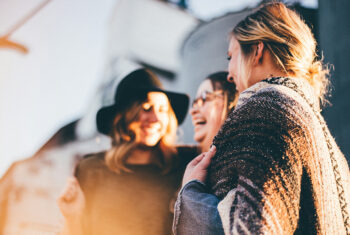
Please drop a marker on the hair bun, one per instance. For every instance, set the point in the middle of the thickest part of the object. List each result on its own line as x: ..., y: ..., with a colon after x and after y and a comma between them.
x: 317, y: 75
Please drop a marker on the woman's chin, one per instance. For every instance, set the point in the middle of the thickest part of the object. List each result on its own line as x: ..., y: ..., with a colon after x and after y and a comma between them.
x: 203, y: 144
x: 150, y: 142
x: 198, y: 137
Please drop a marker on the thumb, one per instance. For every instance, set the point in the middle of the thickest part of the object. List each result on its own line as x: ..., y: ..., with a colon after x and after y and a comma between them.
x: 207, y: 158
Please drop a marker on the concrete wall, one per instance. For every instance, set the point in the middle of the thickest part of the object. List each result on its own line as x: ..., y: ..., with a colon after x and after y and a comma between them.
x: 334, y: 28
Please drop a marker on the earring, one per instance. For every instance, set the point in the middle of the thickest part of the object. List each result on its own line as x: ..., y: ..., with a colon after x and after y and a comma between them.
x: 230, y: 79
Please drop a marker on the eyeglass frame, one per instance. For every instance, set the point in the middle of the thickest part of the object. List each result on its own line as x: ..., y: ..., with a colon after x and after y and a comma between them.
x: 204, y: 97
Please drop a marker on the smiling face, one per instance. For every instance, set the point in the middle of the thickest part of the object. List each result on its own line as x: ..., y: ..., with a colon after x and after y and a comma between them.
x: 153, y: 119
x: 207, y: 115
x: 236, y: 65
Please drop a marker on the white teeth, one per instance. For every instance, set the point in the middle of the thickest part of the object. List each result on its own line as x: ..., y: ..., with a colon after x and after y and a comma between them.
x: 199, y: 122
x: 152, y: 129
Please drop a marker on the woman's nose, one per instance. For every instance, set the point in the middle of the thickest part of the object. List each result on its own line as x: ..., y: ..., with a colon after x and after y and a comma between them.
x: 153, y: 116
x: 194, y: 109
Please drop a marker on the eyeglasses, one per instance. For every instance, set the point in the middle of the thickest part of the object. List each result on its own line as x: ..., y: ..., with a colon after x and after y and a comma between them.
x: 206, y: 96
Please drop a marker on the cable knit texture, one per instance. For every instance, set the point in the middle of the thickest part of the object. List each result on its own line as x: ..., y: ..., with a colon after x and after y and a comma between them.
x: 277, y: 169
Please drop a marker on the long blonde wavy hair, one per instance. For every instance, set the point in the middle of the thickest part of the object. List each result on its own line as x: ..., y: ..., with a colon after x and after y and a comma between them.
x: 288, y: 39
x: 123, y: 140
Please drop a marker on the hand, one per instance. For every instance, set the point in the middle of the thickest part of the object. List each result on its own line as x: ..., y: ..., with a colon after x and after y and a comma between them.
x: 72, y: 200
x: 197, y: 168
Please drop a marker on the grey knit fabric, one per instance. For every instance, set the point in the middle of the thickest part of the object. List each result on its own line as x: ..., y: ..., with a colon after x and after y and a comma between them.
x: 277, y: 169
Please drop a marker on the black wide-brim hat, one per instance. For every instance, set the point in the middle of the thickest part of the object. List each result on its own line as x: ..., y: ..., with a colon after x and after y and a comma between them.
x: 134, y: 87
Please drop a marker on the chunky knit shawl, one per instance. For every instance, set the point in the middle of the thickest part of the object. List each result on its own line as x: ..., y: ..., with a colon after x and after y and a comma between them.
x: 277, y: 169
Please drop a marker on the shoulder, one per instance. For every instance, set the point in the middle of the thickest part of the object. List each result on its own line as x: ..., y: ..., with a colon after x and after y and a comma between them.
x: 275, y: 95
x: 91, y: 160
x: 89, y: 164
x: 280, y: 95
x: 270, y: 115
x: 275, y: 103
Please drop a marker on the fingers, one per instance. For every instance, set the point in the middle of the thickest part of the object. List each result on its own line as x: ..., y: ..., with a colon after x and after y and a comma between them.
x: 212, y: 151
x: 205, y: 162
x: 197, y: 168
x: 71, y: 190
x: 71, y: 202
x: 203, y: 158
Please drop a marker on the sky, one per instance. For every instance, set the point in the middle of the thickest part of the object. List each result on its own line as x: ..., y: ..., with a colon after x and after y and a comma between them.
x: 53, y: 84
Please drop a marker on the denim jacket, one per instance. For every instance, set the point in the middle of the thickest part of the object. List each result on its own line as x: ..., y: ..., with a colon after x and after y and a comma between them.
x: 196, y: 211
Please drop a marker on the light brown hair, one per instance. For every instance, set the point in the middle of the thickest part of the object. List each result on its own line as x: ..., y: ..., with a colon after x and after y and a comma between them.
x: 288, y: 39
x: 123, y: 140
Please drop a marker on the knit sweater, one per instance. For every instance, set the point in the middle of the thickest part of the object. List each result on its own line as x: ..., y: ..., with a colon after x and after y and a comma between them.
x: 277, y: 169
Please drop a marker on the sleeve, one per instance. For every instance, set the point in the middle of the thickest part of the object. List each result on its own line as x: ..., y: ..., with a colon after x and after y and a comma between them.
x: 196, y: 211
x: 257, y: 167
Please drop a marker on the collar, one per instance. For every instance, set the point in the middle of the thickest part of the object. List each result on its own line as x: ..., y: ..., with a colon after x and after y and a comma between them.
x: 300, y: 86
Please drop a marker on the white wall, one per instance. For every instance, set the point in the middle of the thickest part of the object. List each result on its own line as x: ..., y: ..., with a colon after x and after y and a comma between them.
x: 52, y: 85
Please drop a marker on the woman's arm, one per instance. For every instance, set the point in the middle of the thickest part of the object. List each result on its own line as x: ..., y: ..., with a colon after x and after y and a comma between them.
x: 195, y: 209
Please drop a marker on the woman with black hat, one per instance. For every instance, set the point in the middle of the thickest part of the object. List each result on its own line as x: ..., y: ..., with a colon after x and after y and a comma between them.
x: 129, y: 188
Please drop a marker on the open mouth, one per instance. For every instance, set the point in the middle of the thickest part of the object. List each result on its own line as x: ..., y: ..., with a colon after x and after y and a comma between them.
x: 152, y: 129
x: 199, y: 122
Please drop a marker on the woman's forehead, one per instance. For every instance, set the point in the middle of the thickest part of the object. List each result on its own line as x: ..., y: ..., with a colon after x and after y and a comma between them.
x: 157, y: 97
x: 206, y: 85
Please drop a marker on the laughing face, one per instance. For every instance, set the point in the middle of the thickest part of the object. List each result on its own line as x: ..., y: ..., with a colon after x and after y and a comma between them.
x: 206, y: 112
x: 153, y: 119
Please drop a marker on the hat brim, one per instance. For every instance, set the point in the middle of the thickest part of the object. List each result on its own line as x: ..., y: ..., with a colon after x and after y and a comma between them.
x: 104, y: 119
x: 178, y: 101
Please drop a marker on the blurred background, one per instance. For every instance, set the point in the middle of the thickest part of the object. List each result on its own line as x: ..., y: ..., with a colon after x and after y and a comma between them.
x: 60, y: 61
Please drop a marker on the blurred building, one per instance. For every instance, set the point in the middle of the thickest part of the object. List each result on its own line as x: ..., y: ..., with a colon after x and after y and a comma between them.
x: 334, y: 34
